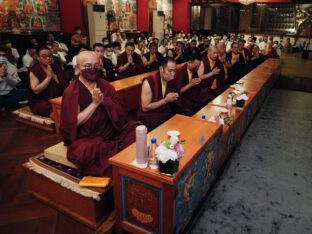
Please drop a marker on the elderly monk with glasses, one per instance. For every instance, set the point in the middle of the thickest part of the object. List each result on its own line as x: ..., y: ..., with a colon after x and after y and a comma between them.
x: 94, y: 124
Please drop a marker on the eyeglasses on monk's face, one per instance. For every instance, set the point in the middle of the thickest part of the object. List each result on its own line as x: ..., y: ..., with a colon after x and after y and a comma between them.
x: 91, y: 66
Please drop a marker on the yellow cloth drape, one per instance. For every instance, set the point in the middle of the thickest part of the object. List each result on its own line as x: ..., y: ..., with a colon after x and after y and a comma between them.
x: 190, y: 75
x: 163, y: 87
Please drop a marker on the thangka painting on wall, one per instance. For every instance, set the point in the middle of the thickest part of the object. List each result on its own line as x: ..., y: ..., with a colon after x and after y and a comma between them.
x: 18, y: 16
x: 304, y: 19
x: 123, y: 14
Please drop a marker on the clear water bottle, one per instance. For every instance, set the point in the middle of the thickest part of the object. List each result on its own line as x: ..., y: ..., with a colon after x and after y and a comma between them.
x: 152, y: 162
x: 229, y: 100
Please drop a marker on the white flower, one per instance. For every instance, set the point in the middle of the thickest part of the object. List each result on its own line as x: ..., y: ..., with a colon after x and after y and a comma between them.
x: 245, y: 97
x: 164, y: 154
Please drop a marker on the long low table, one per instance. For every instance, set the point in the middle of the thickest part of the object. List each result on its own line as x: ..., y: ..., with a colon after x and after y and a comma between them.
x: 147, y: 202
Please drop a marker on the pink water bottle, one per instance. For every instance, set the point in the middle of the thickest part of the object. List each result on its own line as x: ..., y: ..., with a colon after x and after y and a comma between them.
x: 141, y: 144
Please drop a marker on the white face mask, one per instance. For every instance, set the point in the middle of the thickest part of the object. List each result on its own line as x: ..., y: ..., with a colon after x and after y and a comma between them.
x: 109, y: 53
x: 78, y: 31
x: 117, y: 51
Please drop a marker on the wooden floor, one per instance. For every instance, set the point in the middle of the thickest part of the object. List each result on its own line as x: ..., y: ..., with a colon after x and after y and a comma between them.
x: 19, y: 213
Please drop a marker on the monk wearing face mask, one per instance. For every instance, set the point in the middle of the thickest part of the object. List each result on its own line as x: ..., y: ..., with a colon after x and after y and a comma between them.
x: 94, y: 124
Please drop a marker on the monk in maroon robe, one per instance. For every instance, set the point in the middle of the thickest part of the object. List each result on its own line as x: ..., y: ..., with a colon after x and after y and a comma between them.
x: 152, y: 58
x: 211, y: 72
x: 270, y: 52
x: 129, y: 63
x: 246, y: 55
x: 94, y: 124
x: 159, y: 95
x: 237, y: 62
x: 46, y: 81
x: 187, y: 81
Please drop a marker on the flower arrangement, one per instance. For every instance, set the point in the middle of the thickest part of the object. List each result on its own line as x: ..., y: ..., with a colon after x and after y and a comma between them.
x: 169, y: 153
x: 217, y: 119
x: 224, y: 117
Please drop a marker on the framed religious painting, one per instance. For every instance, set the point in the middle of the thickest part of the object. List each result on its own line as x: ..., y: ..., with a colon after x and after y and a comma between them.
x: 29, y: 16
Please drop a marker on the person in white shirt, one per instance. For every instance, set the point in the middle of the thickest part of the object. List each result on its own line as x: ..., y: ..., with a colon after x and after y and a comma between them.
x: 277, y: 48
x: 109, y: 54
x: 263, y: 44
x: 15, y: 53
x: 63, y: 48
x: 29, y: 58
x: 163, y: 48
x: 57, y: 54
x: 9, y: 95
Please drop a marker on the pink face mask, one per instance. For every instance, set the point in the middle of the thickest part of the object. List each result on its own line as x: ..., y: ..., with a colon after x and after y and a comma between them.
x: 90, y: 74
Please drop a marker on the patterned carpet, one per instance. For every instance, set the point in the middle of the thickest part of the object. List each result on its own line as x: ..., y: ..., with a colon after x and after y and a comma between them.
x: 266, y: 187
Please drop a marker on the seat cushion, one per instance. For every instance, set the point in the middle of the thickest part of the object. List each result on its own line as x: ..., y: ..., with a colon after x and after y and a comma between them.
x: 58, y: 153
x: 25, y: 113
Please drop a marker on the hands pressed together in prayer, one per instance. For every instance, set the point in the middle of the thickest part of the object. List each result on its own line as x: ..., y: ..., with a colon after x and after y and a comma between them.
x: 130, y: 60
x: 50, y: 73
x: 97, y: 96
x: 171, y: 97
x: 195, y: 81
x: 216, y: 71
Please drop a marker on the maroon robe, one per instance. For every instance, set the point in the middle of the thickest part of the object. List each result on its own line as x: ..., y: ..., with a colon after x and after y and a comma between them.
x: 190, y: 101
x: 272, y: 54
x: 40, y: 103
x: 104, y: 134
x: 237, y: 70
x: 110, y: 71
x: 247, y: 59
x: 131, y: 70
x: 154, y: 65
x: 154, y: 118
x: 208, y: 93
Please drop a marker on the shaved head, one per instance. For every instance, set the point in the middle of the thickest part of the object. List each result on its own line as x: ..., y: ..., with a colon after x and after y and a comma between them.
x: 212, y: 48
x: 84, y: 56
x: 213, y: 52
x: 221, y: 44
